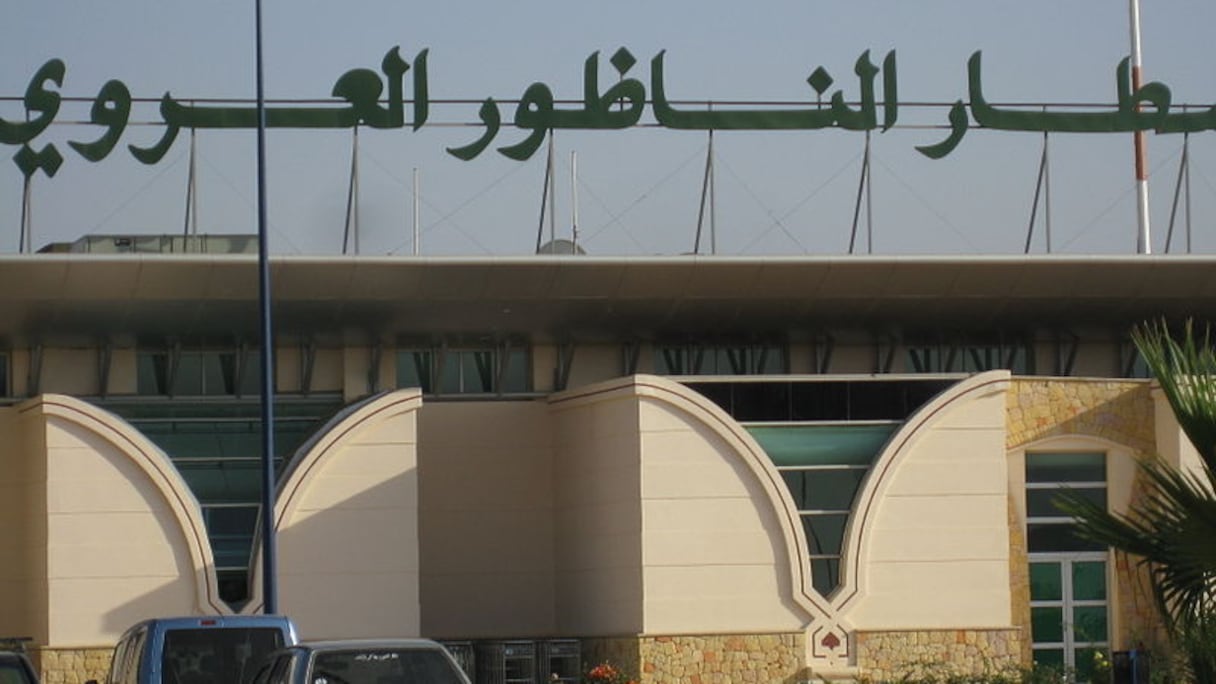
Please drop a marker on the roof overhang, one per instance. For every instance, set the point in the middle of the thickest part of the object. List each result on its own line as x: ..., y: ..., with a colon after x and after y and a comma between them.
x: 54, y: 298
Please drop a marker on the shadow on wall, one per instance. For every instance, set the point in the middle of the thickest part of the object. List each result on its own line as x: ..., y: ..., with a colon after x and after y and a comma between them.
x: 348, y: 562
x: 118, y: 548
x: 1121, y: 412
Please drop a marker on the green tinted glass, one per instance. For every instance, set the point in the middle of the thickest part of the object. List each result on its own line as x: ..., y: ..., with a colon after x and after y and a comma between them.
x: 825, y: 574
x: 1055, y: 538
x: 188, y: 378
x: 515, y: 376
x: 1050, y: 657
x: 223, y: 481
x: 824, y: 533
x: 823, y: 490
x: 1066, y: 467
x: 1042, y: 502
x: 809, y: 445
x: 1089, y: 623
x: 1045, y: 584
x: 1089, y: 581
x: 1047, y: 624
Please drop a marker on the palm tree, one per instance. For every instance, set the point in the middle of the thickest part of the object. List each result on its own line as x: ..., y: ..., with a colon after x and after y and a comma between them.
x: 1172, y: 529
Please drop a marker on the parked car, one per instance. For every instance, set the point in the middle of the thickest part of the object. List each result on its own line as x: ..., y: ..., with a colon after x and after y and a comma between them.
x: 197, y: 650
x: 362, y: 661
x: 15, y: 667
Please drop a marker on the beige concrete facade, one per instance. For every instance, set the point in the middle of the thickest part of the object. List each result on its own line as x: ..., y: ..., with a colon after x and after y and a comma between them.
x: 632, y: 513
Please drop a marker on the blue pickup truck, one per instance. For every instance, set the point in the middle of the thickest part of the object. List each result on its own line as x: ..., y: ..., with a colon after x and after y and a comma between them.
x: 197, y: 650
x: 15, y: 667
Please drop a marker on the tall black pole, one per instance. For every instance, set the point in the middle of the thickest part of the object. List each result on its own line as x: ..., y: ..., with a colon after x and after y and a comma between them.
x: 270, y: 598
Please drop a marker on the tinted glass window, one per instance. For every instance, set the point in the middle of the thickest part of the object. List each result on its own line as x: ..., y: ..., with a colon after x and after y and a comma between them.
x: 1066, y: 467
x: 131, y: 659
x: 387, y: 666
x: 216, y: 656
x: 12, y: 673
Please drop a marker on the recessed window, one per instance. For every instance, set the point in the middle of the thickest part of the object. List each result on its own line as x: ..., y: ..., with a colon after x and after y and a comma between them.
x: 1069, y: 604
x: 720, y: 359
x: 967, y: 356
x: 823, y: 466
x: 465, y: 370
x: 199, y: 373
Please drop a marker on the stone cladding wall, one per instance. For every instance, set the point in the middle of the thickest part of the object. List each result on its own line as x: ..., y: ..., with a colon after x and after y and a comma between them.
x: 1019, y: 579
x: 1117, y: 410
x: 1121, y: 411
x: 709, y: 659
x: 892, y: 656
x: 71, y: 665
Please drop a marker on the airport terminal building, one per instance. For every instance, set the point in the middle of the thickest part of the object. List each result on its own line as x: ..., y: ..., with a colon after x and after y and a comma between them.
x: 706, y: 470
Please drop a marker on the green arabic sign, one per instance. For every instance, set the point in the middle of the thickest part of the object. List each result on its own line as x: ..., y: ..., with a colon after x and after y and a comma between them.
x: 619, y: 106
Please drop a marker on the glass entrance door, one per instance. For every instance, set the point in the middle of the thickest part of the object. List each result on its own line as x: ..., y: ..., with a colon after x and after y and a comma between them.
x: 1069, y: 610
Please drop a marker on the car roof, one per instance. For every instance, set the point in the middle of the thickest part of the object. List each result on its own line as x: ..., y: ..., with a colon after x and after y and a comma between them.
x: 366, y: 644
x: 210, y: 622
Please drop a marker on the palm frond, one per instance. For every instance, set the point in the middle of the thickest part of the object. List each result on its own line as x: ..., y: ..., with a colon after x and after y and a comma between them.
x: 1186, y: 371
x: 1169, y: 531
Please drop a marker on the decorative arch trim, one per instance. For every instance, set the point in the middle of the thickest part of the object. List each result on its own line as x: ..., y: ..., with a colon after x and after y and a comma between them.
x: 1121, y: 471
x: 159, y: 471
x: 897, y: 448
x: 305, y: 464
x: 710, y: 416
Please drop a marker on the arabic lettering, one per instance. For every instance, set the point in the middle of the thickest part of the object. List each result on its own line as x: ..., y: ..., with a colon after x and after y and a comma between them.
x: 1129, y: 114
x: 365, y: 97
x: 46, y: 103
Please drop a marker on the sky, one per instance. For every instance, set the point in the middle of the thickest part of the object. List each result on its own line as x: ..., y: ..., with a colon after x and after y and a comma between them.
x: 637, y: 191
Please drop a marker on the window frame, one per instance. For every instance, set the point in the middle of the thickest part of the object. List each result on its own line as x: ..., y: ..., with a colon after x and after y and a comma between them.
x: 509, y: 369
x: 1071, y: 643
x: 715, y: 358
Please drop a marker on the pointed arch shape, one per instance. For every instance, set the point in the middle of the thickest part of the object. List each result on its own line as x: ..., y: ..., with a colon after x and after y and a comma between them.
x: 897, y: 447
x: 159, y: 471
x: 709, y: 415
x: 305, y: 464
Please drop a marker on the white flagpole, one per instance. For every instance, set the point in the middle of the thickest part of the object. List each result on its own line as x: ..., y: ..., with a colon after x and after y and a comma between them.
x: 1143, y: 242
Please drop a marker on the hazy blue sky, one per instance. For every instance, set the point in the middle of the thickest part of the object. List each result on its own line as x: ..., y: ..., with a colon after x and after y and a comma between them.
x: 776, y: 192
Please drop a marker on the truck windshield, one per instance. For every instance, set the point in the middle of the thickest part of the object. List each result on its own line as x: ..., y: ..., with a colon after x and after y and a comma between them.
x: 13, y: 673
x: 217, y: 655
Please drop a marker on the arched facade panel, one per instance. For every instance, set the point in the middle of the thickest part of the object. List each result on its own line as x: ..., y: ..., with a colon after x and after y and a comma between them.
x: 346, y: 520
x: 720, y: 551
x: 928, y: 544
x: 124, y: 536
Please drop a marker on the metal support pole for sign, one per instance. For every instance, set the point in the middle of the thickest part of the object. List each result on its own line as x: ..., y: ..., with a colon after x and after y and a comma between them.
x: 863, y: 191
x: 1042, y: 187
x: 352, y: 197
x: 574, y: 202
x: 25, y: 232
x: 869, y: 199
x: 707, y: 201
x: 417, y: 230
x: 1187, y: 189
x: 545, y: 200
x: 1046, y: 193
x: 24, y: 237
x: 551, y: 178
x: 270, y: 594
x: 191, y: 224
x: 1184, y: 178
x: 1143, y: 237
